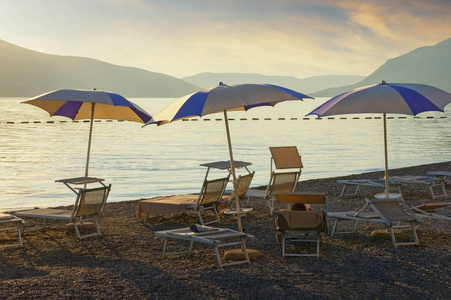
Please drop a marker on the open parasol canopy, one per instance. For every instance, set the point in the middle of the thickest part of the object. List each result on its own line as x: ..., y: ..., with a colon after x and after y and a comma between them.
x: 386, y: 98
x: 87, y: 104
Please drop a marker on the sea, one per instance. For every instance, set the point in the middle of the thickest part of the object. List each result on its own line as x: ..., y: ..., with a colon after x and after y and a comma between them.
x: 143, y: 162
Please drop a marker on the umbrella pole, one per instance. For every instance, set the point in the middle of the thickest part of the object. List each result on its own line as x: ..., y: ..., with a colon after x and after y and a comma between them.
x: 387, y: 188
x: 89, y: 140
x: 232, y: 167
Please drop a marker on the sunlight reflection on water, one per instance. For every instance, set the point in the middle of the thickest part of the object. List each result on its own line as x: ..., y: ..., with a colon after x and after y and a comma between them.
x: 154, y: 161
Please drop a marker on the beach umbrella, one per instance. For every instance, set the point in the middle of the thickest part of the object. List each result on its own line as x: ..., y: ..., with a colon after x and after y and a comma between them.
x: 386, y: 98
x: 89, y: 104
x: 224, y: 98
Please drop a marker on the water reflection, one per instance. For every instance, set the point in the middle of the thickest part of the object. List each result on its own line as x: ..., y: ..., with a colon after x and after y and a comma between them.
x: 151, y: 161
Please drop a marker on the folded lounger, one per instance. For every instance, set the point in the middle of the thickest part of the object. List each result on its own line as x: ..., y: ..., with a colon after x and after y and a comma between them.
x: 214, y: 237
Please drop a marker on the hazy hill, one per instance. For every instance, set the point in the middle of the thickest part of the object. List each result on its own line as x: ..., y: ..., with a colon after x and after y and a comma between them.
x: 307, y: 85
x: 427, y: 65
x: 25, y: 73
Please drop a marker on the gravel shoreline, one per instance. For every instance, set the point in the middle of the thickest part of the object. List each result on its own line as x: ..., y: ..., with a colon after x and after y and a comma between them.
x: 125, y: 262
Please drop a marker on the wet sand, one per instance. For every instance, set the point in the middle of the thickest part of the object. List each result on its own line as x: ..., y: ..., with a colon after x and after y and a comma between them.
x: 125, y: 262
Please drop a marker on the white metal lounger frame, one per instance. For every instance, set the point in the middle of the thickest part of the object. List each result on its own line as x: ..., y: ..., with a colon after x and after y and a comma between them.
x: 431, y: 182
x: 213, y: 238
x: 394, y: 186
x: 422, y: 211
x: 374, y: 217
x: 283, y: 158
x: 407, y: 222
x: 207, y: 201
x: 76, y: 216
x: 10, y: 220
x: 308, y: 235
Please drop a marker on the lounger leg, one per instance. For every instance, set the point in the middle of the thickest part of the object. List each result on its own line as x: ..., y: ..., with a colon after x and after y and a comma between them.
x: 34, y: 229
x: 283, y: 245
x: 442, y: 187
x: 97, y: 232
x: 242, y: 244
x: 218, y: 257
x: 334, y: 228
x: 19, y: 232
x: 410, y: 227
x: 165, y: 247
x: 351, y: 194
x: 271, y: 203
x: 343, y: 191
x: 200, y: 218
x: 393, y: 239
x: 215, y: 210
x: 317, y: 246
x: 315, y: 239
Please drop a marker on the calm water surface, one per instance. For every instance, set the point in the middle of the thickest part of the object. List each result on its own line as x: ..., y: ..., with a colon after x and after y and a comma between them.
x: 155, y: 161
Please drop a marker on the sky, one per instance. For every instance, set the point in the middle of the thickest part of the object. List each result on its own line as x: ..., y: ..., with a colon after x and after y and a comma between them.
x: 300, y: 38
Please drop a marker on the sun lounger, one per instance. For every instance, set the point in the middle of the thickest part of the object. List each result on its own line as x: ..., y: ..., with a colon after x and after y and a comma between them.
x: 210, y: 195
x: 88, y: 205
x: 283, y: 158
x: 396, y: 216
x: 378, y: 212
x: 11, y: 223
x: 431, y: 182
x: 243, y: 183
x: 213, y: 237
x: 437, y: 211
x: 158, y: 206
x: 445, y: 175
x: 394, y: 186
x: 300, y: 226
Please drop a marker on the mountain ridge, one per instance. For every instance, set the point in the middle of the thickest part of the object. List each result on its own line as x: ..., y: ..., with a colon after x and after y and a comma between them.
x: 429, y: 65
x: 306, y: 85
x: 27, y: 73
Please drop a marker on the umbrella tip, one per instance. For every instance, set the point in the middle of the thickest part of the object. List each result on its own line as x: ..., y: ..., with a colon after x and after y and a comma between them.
x: 94, y: 89
x: 221, y: 83
x: 382, y: 82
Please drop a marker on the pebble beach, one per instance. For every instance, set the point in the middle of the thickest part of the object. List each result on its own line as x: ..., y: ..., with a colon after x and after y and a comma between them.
x: 125, y: 262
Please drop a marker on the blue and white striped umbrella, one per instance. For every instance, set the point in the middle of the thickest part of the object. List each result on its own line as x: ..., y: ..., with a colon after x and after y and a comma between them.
x: 224, y: 98
x: 386, y: 98
x: 89, y: 104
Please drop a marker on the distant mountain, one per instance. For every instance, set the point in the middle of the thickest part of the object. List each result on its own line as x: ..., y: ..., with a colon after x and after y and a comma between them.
x: 25, y: 73
x: 307, y: 85
x: 427, y: 65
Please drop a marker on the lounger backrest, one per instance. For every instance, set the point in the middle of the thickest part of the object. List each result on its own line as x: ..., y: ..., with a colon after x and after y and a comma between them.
x: 305, y: 198
x: 91, y: 201
x: 286, y: 157
x: 212, y: 191
x: 283, y: 182
x: 243, y: 183
x: 300, y: 220
x: 391, y: 210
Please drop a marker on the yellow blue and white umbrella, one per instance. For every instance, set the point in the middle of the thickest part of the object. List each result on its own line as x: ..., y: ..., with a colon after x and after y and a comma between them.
x: 89, y: 104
